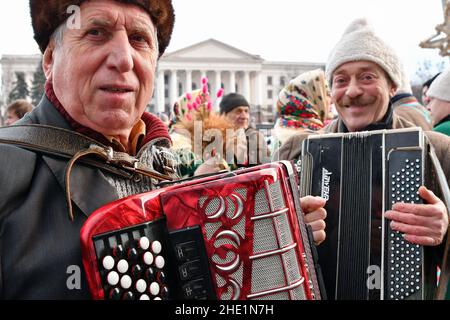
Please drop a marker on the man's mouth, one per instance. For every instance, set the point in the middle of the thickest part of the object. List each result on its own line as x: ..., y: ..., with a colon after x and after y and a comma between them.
x: 114, y: 89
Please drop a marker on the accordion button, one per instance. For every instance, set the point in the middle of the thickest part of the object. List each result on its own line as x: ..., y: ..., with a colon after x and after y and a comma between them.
x: 150, y: 275
x: 156, y: 247
x: 113, y: 278
x: 160, y: 262
x: 126, y: 282
x: 141, y: 286
x: 108, y: 263
x: 115, y: 294
x: 157, y: 299
x: 154, y: 289
x: 122, y: 266
x: 144, y: 243
x: 164, y: 293
x: 129, y: 296
x: 144, y: 297
x: 148, y: 258
x: 133, y: 254
x: 119, y: 251
x: 161, y: 277
x: 136, y: 271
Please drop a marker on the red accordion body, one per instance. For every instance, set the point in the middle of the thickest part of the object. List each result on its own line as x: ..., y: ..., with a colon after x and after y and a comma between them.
x: 255, y: 244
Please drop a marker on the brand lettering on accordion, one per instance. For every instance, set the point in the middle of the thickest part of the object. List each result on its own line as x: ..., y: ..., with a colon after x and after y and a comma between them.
x: 326, y: 179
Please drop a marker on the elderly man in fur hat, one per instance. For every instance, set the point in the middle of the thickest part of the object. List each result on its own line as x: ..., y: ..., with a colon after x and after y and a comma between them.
x: 364, y: 73
x: 100, y: 74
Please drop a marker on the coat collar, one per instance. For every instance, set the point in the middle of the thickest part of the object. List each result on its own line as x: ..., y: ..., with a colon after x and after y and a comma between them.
x: 90, y: 189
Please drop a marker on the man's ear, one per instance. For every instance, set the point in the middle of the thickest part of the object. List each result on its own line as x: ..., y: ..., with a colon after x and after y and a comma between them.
x: 47, y: 60
x: 393, y: 90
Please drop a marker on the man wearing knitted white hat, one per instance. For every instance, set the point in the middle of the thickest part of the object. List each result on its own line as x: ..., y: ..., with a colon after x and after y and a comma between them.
x: 364, y: 74
x: 439, y: 105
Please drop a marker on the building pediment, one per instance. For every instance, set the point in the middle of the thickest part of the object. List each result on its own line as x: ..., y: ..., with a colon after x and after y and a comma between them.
x: 211, y: 50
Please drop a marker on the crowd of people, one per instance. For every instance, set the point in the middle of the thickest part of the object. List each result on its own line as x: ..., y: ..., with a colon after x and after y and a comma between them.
x: 99, y: 81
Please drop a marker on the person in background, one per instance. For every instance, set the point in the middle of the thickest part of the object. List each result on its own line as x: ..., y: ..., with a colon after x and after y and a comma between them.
x: 304, y: 104
x: 425, y: 88
x: 408, y: 107
x: 439, y: 94
x: 16, y: 110
x: 251, y: 146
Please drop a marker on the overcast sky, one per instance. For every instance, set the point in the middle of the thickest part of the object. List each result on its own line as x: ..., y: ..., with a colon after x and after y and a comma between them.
x: 281, y: 30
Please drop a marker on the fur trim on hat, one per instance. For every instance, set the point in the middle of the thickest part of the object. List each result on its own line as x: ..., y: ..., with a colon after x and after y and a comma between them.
x: 48, y: 15
x: 360, y: 43
x: 440, y: 88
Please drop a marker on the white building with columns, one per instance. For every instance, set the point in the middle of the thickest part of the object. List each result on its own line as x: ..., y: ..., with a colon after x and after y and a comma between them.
x: 225, y: 66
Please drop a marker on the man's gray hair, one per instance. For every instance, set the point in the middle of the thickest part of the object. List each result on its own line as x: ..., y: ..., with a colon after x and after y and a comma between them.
x: 58, y: 35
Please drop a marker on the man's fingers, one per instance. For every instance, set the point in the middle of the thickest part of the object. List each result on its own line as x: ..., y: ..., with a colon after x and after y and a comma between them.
x: 428, y: 196
x: 425, y: 210
x: 310, y: 203
x: 319, y: 214
x: 317, y: 225
x: 423, y: 241
x: 319, y: 236
x: 411, y: 219
x: 414, y: 230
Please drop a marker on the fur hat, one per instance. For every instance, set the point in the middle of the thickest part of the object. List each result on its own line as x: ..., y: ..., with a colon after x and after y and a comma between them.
x: 360, y: 43
x: 48, y: 15
x: 231, y: 101
x: 440, y: 88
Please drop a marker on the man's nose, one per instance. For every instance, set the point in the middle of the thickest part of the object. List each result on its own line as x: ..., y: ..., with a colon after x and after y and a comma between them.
x: 353, y: 89
x: 121, y: 54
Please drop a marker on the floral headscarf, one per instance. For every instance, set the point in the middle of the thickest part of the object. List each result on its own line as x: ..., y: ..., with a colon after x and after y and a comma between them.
x: 303, y: 103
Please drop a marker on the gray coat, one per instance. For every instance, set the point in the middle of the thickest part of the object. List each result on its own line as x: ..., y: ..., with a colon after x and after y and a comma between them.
x: 40, y: 255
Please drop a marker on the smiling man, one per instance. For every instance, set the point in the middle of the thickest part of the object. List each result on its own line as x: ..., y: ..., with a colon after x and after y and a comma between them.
x: 100, y: 79
x: 364, y: 73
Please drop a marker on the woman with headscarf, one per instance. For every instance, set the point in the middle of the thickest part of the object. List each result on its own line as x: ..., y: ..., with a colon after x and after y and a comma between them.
x: 304, y: 104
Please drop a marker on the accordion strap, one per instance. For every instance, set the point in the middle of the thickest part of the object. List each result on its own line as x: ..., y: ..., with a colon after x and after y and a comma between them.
x: 76, y: 147
x: 445, y: 191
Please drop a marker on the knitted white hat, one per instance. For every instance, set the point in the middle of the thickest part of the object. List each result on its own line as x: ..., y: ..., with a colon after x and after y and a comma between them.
x: 440, y: 88
x: 359, y: 43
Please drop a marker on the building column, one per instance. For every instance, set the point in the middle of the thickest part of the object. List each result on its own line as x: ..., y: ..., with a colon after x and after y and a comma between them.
x: 173, y: 87
x: 160, y: 93
x: 188, y: 80
x: 218, y: 81
x: 258, y: 89
x: 246, y: 85
x: 232, y: 83
x: 203, y: 75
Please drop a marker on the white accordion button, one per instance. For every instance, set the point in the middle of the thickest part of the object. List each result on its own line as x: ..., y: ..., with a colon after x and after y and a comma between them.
x: 122, y: 266
x: 160, y: 262
x: 113, y: 278
x: 156, y: 247
x: 144, y: 297
x: 148, y: 258
x: 141, y: 286
x: 144, y: 243
x: 154, y: 288
x: 126, y: 282
x: 157, y: 299
x: 108, y: 263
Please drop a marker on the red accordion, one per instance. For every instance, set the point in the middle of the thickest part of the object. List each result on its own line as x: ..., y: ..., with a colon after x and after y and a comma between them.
x: 232, y: 236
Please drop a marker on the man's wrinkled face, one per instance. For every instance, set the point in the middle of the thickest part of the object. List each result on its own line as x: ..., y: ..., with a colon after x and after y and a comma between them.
x: 361, y: 92
x: 239, y: 117
x: 103, y: 72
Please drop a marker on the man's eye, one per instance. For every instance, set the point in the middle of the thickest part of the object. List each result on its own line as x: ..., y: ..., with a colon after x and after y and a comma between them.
x: 95, y: 32
x: 140, y: 39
